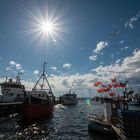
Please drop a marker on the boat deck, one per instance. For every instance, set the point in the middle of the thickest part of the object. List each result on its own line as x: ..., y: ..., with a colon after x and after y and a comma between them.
x: 118, y: 132
x: 9, y: 108
x: 13, y: 103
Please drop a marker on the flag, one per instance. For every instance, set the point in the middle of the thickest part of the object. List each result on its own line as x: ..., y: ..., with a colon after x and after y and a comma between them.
x: 122, y: 85
x: 109, y: 86
x: 116, y: 85
x: 103, y: 85
x: 101, y: 90
x: 113, y: 80
x: 112, y: 94
x: 96, y: 84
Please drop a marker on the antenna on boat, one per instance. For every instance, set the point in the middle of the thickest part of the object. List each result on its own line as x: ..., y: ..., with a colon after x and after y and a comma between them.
x: 18, y: 77
x: 5, y: 78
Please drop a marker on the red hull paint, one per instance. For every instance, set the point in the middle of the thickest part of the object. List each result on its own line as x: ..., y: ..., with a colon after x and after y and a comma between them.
x: 33, y: 112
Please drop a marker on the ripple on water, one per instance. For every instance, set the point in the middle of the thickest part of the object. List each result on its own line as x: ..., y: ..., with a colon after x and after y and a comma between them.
x: 68, y: 123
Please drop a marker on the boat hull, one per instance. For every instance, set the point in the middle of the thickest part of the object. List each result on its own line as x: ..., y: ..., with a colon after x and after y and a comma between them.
x: 136, y: 103
x: 99, y: 127
x: 69, y: 99
x: 37, y: 109
x: 33, y: 112
x: 69, y: 102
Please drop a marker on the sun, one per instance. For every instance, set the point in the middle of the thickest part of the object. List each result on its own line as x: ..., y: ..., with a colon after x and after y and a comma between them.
x: 47, y: 27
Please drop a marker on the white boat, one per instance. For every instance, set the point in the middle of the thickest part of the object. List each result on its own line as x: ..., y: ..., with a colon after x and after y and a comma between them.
x: 69, y: 99
x: 11, y: 90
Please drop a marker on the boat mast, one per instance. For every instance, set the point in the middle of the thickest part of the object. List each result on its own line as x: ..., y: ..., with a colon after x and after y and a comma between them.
x: 44, y: 77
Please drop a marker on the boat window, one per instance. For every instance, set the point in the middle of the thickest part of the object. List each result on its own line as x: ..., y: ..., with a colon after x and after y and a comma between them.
x: 43, y: 95
x: 5, y: 86
x: 39, y: 95
x: 1, y: 89
x: 13, y: 86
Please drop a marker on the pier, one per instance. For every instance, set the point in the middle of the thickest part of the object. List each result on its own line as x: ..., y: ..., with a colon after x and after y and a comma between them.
x: 118, y: 132
x: 9, y: 108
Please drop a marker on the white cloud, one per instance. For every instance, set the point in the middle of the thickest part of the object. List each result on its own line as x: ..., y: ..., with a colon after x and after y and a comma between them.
x: 36, y: 72
x: 9, y: 69
x: 135, y: 51
x: 112, y: 56
x: 117, y: 61
x: 28, y: 84
x: 129, y: 67
x: 93, y: 58
x: 54, y: 40
x: 124, y: 48
x: 101, y: 45
x: 13, y: 67
x: 54, y: 68
x: 18, y: 67
x: 101, y: 63
x: 81, y: 84
x: 98, y: 69
x: 132, y: 21
x: 67, y: 66
x: 22, y: 71
x: 121, y: 42
x: 52, y: 75
x: 12, y: 63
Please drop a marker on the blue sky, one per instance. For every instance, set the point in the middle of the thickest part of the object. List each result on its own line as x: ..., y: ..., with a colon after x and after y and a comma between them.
x: 83, y: 48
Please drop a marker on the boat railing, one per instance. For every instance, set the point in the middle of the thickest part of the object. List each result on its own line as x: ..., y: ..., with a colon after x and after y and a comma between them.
x: 41, y: 89
x: 99, y: 118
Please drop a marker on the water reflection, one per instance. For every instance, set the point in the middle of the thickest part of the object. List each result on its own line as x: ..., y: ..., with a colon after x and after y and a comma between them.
x: 67, y: 123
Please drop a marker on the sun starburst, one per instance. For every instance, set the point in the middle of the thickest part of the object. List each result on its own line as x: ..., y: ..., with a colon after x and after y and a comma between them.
x: 44, y: 25
x: 47, y: 27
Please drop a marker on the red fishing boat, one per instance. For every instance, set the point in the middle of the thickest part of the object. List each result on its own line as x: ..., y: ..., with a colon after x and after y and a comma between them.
x: 40, y: 103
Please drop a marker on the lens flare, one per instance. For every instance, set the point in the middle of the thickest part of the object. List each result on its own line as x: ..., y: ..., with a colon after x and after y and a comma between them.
x: 44, y: 25
x: 47, y: 27
x: 88, y: 102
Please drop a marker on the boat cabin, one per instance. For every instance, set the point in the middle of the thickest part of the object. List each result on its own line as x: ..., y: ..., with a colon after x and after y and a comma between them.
x: 10, y: 90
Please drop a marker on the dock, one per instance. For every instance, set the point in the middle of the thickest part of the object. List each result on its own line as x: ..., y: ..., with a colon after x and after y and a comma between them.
x: 118, y: 132
x: 7, y: 104
x: 9, y: 108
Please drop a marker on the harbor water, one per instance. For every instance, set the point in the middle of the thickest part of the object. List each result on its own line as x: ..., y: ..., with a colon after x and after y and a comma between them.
x: 67, y: 123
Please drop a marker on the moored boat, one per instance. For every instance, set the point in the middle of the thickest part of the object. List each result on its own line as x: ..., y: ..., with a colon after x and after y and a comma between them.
x: 99, y: 125
x: 35, y: 108
x: 104, y: 124
x: 40, y: 103
x: 69, y: 99
x: 135, y: 102
x: 11, y: 90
